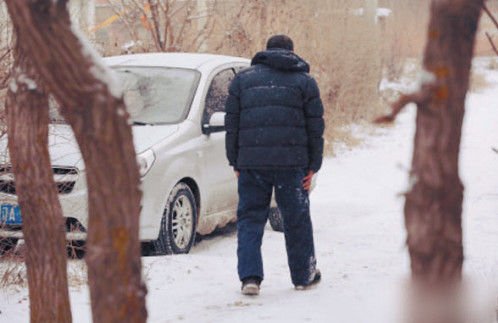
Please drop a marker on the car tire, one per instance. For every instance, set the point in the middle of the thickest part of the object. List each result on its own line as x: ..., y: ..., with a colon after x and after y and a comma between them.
x: 276, y: 220
x: 178, y: 224
x: 7, y: 244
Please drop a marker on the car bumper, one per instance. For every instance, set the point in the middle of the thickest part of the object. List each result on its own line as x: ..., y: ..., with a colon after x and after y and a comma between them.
x: 74, y: 207
x: 4, y: 234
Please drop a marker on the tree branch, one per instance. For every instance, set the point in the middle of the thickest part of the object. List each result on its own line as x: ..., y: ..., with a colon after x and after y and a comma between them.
x: 419, y: 98
x: 3, y: 82
x: 6, y: 53
x: 490, y: 14
x: 491, y: 42
x: 495, y: 22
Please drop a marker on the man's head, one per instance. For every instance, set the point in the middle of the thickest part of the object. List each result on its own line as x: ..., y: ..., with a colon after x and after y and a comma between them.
x: 280, y: 42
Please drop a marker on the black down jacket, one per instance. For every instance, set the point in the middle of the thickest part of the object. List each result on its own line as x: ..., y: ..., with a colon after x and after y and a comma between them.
x: 274, y: 115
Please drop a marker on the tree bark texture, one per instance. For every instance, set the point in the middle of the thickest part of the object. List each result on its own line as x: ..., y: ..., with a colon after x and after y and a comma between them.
x: 100, y: 124
x: 43, y: 224
x: 433, y: 209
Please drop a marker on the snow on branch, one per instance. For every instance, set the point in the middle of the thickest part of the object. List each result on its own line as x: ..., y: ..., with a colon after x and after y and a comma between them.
x: 20, y: 78
x: 421, y: 96
x: 99, y: 70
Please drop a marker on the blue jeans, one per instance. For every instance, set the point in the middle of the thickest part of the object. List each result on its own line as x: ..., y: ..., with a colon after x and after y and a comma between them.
x: 255, y: 192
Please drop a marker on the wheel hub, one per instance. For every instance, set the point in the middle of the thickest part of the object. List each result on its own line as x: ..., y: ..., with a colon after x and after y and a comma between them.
x: 182, y: 223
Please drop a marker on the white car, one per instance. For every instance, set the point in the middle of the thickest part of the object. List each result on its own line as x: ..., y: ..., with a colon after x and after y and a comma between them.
x: 176, y: 102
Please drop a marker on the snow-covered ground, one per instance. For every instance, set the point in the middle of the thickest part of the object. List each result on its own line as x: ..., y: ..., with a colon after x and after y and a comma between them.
x: 359, y: 236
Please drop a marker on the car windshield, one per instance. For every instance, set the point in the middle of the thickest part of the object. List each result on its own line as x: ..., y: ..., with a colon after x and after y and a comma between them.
x: 153, y: 95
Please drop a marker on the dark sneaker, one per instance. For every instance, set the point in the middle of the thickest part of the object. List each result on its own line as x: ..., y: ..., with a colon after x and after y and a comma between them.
x: 313, y: 283
x: 250, y: 286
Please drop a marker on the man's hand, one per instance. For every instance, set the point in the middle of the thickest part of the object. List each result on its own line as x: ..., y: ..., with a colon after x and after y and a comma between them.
x: 308, y: 180
x: 237, y: 173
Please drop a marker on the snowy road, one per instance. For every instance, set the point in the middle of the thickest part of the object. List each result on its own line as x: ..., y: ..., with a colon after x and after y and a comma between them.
x: 359, y: 235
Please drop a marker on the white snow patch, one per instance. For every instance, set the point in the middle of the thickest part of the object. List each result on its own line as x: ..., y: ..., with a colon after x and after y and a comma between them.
x: 121, y: 112
x: 13, y: 85
x: 425, y: 78
x: 21, y: 79
x: 24, y: 79
x: 380, y: 12
x: 386, y: 84
x: 99, y: 70
x: 128, y: 45
x: 384, y: 12
x: 408, y: 86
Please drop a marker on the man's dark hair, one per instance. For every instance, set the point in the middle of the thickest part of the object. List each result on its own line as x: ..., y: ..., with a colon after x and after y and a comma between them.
x: 280, y: 42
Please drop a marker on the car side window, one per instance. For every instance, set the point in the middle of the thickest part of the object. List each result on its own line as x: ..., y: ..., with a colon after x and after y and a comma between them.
x: 217, y: 94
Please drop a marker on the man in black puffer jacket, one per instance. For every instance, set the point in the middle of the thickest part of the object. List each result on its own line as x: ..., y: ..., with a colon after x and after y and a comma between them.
x: 274, y: 141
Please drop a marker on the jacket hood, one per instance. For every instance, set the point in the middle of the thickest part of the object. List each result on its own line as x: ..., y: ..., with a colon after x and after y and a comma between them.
x: 281, y: 59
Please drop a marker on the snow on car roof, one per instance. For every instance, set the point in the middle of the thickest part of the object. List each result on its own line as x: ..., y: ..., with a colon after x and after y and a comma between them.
x: 181, y: 60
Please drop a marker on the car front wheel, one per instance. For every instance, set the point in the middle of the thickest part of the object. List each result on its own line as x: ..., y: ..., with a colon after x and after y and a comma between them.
x: 178, y: 224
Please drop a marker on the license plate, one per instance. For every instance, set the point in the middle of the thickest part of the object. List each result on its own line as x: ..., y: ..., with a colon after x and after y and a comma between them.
x: 10, y: 214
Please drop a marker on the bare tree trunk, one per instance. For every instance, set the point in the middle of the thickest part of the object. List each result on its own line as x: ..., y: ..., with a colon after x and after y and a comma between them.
x: 433, y: 209
x: 43, y: 224
x: 434, y: 206
x: 99, y: 121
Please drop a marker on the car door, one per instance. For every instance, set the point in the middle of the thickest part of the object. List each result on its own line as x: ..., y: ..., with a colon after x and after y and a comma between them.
x: 220, y: 177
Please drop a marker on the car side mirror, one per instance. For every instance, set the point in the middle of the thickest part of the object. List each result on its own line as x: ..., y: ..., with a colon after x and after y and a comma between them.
x: 216, y: 123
